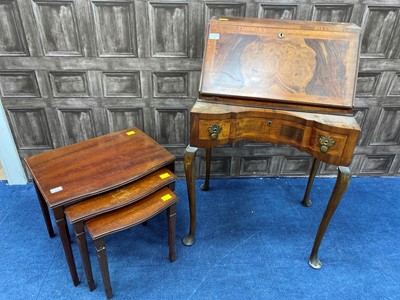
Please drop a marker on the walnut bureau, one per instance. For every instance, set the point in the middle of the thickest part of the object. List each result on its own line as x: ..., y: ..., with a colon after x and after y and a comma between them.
x: 283, y: 82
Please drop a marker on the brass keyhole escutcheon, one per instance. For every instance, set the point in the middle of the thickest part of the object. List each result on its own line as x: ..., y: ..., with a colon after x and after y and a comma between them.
x: 269, y: 123
x: 281, y: 35
x: 326, y: 142
x: 214, y: 130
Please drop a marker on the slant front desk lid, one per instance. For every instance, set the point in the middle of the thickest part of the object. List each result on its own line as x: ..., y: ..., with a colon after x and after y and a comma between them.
x: 310, y: 65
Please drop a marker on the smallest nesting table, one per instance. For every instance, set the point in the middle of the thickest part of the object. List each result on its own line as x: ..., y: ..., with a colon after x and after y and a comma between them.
x: 71, y: 174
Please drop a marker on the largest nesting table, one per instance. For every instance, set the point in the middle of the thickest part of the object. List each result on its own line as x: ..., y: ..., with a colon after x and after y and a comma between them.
x: 73, y: 173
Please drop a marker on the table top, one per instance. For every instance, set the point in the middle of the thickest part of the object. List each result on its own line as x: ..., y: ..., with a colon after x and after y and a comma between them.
x: 66, y: 175
x: 313, y: 64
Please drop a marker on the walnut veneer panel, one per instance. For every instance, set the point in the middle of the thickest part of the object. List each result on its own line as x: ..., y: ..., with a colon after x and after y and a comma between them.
x: 297, y: 62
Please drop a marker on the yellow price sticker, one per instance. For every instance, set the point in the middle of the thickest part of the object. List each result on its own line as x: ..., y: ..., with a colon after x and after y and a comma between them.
x: 165, y: 175
x: 130, y: 132
x: 166, y: 197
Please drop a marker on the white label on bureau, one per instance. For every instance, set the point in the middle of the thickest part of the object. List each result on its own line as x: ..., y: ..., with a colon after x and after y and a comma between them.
x: 56, y: 190
x: 213, y: 36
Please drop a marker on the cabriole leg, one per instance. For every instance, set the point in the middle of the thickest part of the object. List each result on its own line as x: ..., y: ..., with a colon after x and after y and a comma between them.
x: 189, y: 163
x: 342, y: 183
x: 206, y: 185
x: 306, y: 200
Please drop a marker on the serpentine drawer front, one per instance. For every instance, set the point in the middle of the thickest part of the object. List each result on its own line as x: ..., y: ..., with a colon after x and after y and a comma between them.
x: 327, y: 137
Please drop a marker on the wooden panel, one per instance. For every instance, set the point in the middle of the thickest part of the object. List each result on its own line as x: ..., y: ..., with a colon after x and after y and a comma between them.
x: 126, y: 57
x: 12, y: 36
x: 387, y: 130
x: 327, y: 169
x: 19, y: 84
x: 115, y: 28
x: 366, y: 84
x: 220, y: 167
x: 170, y: 84
x: 379, y: 26
x: 361, y: 116
x: 169, y: 29
x: 77, y: 125
x: 56, y: 21
x: 121, y: 118
x: 69, y: 84
x: 172, y: 126
x: 30, y: 128
x: 121, y: 84
x: 331, y: 12
x: 254, y: 166
x: 376, y: 164
x: 296, y: 165
x: 285, y: 12
x: 228, y: 9
x: 394, y: 89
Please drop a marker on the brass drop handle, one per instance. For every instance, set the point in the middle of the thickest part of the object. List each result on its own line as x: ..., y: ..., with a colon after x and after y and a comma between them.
x: 326, y: 142
x: 214, y: 130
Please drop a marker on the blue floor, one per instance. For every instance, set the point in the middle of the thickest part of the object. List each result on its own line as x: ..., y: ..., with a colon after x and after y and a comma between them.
x: 253, y: 242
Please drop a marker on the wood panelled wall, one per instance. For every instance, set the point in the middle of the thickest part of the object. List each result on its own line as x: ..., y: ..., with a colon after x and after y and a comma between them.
x: 74, y: 69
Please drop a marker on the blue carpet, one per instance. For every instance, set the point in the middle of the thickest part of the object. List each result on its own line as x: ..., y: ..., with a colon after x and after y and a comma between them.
x: 253, y: 242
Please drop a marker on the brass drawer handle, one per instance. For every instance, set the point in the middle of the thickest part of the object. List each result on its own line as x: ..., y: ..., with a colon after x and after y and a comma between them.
x: 281, y: 35
x: 214, y: 130
x: 269, y: 123
x: 326, y: 142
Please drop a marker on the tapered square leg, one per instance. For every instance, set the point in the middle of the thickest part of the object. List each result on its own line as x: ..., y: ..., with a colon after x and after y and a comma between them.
x: 171, y: 217
x: 83, y: 249
x: 45, y: 211
x: 66, y: 242
x: 103, y: 263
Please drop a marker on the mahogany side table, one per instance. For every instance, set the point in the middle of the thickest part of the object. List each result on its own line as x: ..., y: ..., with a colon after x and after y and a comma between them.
x: 73, y: 173
x: 283, y: 82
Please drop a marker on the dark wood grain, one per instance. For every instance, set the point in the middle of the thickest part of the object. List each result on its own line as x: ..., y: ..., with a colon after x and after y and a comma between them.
x: 130, y: 215
x: 96, y: 165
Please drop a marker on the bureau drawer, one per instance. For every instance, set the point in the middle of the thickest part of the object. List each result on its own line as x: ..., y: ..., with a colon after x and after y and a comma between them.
x: 271, y: 130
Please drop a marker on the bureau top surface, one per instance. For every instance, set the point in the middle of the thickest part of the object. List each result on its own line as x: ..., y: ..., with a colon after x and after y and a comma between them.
x: 77, y: 171
x: 294, y: 62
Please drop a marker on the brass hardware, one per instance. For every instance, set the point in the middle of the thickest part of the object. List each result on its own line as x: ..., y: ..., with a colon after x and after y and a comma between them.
x: 326, y: 142
x: 214, y: 130
x: 281, y: 35
x: 269, y: 123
